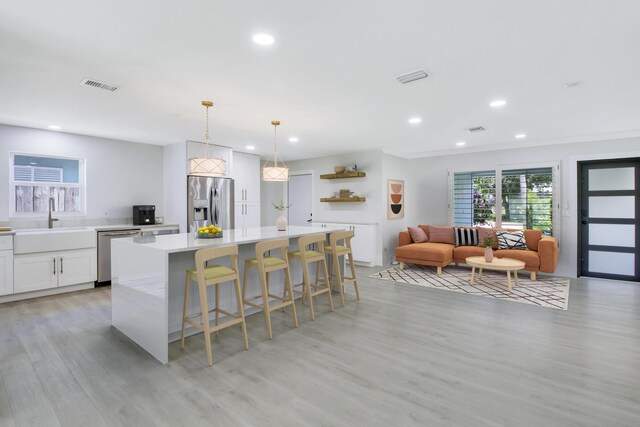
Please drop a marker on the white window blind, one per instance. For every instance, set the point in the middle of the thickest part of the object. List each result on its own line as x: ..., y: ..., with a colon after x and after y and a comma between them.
x: 474, y: 195
x: 527, y: 199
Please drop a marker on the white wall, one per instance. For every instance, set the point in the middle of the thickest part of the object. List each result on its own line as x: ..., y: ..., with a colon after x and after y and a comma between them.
x: 427, y: 191
x: 398, y: 169
x: 369, y: 162
x: 119, y: 174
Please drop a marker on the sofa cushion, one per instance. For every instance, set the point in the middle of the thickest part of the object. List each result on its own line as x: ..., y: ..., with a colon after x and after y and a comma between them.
x: 462, y: 252
x: 511, y: 240
x: 438, y: 234
x: 530, y: 258
x: 465, y: 236
x: 533, y: 238
x: 434, y: 252
x: 425, y: 228
x: 484, y: 232
x: 417, y: 234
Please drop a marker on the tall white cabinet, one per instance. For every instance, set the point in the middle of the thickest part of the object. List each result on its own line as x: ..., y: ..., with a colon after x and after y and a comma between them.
x: 6, y: 265
x: 246, y: 175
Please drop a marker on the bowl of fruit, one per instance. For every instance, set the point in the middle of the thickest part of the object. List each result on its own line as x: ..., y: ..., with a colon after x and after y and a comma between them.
x: 209, y: 232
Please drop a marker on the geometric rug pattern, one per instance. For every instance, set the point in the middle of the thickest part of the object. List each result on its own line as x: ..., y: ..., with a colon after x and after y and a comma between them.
x: 551, y: 292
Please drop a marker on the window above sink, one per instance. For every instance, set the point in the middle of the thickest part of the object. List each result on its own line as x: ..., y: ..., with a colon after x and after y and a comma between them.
x: 35, y: 178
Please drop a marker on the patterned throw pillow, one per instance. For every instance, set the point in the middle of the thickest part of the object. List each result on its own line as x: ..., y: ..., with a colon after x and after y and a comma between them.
x: 417, y: 234
x: 466, y: 236
x: 511, y: 240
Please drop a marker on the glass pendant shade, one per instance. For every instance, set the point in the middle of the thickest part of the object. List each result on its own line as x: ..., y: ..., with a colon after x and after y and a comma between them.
x: 274, y: 172
x: 206, y: 166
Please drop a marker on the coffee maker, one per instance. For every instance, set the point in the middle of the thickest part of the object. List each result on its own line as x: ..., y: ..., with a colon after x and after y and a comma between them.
x: 144, y: 215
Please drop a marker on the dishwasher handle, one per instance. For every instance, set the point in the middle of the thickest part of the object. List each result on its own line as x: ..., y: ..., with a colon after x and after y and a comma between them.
x: 120, y: 233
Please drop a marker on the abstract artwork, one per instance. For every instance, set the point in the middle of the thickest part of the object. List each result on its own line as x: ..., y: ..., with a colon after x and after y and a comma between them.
x: 395, y: 200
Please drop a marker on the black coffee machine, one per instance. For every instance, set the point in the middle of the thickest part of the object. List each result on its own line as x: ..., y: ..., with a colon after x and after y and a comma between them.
x: 144, y: 215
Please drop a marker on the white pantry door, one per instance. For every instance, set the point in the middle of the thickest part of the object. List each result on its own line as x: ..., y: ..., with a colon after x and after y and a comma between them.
x: 300, y: 198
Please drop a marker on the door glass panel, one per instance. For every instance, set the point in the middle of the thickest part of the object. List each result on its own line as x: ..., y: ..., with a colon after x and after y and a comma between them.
x: 612, y: 235
x: 612, y: 206
x: 612, y: 179
x: 612, y: 263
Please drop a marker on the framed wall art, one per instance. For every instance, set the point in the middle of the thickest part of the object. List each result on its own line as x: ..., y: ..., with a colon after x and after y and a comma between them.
x: 395, y: 199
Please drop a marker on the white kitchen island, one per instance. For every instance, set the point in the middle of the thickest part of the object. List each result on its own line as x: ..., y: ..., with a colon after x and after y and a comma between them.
x: 148, y: 278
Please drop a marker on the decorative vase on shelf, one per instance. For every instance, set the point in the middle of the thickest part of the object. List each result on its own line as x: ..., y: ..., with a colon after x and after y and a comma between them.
x: 488, y: 253
x: 281, y: 222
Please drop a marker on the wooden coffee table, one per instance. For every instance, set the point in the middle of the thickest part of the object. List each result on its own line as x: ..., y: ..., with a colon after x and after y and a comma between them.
x: 500, y: 264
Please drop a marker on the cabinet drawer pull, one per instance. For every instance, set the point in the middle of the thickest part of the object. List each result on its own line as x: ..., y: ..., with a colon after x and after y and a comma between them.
x: 61, y: 265
x: 54, y: 266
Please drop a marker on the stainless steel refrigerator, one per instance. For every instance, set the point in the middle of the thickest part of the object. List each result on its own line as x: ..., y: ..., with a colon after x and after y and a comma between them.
x: 209, y: 202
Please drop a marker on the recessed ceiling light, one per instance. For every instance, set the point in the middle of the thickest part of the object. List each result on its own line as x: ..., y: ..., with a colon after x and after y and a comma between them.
x: 293, y: 139
x: 33, y: 163
x: 521, y: 135
x: 498, y: 103
x: 415, y: 120
x: 460, y: 143
x: 263, y: 39
x: 250, y: 147
x: 54, y: 127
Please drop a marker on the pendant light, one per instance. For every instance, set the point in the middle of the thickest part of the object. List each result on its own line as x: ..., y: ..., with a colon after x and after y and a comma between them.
x: 207, y: 166
x: 275, y: 172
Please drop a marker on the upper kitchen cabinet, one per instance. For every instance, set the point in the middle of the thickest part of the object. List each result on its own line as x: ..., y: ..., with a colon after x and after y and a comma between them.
x: 246, y: 175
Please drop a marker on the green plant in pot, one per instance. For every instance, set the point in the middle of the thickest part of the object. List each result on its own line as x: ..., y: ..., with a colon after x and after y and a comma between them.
x: 488, y: 242
x: 281, y: 222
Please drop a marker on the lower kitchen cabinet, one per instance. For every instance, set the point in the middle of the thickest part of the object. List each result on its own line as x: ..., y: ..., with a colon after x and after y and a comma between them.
x: 6, y: 272
x: 364, y: 243
x: 47, y: 270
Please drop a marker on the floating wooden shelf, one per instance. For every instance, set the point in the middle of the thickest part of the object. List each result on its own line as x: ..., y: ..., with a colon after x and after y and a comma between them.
x: 344, y: 199
x: 343, y: 175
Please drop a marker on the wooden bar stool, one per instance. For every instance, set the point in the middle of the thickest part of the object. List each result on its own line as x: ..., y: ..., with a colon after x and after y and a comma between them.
x: 336, y: 250
x: 266, y: 265
x: 213, y: 276
x: 307, y: 257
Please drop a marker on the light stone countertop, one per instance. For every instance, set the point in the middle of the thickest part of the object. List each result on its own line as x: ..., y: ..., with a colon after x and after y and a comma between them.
x: 183, y: 242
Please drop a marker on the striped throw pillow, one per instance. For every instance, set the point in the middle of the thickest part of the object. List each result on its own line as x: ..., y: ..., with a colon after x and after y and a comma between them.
x: 466, y: 236
x: 511, y: 240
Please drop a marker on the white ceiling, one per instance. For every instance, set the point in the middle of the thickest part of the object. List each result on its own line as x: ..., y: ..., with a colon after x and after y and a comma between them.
x: 330, y: 76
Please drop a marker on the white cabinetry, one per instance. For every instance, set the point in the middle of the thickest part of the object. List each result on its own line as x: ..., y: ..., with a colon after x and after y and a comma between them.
x: 33, y: 272
x: 6, y: 265
x: 246, y: 175
x: 364, y: 243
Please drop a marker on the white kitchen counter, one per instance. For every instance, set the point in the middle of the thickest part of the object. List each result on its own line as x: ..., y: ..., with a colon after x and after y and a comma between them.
x: 148, y: 278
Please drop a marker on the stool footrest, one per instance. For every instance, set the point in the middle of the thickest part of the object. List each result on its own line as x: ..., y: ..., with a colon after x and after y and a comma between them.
x: 214, y: 328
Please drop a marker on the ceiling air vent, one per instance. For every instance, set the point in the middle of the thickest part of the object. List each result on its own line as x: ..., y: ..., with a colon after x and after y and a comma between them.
x: 476, y: 129
x: 99, y: 85
x: 412, y: 77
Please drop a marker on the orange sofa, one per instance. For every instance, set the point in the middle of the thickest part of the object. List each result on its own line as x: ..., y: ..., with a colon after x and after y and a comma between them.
x: 542, y: 253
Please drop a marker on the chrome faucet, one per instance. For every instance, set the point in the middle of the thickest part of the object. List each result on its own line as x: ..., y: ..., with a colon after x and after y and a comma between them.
x: 51, y: 219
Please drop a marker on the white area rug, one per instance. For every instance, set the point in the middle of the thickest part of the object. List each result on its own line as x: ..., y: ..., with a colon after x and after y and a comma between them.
x: 552, y: 292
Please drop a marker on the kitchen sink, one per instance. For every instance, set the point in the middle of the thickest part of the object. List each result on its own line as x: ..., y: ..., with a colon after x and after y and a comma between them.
x: 53, y: 239
x: 52, y: 230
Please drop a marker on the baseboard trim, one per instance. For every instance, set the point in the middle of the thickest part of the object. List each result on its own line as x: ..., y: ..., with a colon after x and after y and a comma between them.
x: 46, y: 292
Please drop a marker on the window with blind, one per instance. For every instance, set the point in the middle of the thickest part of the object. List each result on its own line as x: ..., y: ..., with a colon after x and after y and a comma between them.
x: 527, y: 199
x: 36, y: 179
x: 507, y: 198
x: 474, y: 198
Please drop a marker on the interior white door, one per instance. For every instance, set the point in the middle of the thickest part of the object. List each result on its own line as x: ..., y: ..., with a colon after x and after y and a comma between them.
x: 300, y: 199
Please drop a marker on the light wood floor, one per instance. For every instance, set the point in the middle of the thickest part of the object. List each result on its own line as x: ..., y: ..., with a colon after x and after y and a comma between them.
x: 401, y: 356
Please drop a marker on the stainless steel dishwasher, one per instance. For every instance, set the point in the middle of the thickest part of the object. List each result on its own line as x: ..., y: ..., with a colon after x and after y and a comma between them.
x: 104, y: 250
